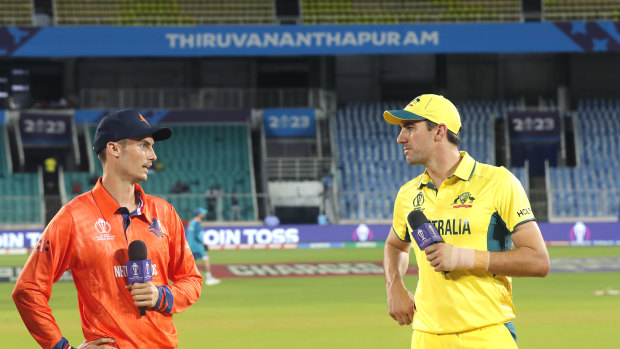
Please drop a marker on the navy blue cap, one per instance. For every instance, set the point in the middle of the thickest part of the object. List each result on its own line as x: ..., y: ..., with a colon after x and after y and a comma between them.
x: 126, y: 124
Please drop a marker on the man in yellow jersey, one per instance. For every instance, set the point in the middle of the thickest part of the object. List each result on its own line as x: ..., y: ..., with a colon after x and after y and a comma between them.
x: 463, y: 298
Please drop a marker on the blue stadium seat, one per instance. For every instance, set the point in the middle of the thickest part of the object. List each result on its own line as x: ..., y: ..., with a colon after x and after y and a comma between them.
x: 372, y: 162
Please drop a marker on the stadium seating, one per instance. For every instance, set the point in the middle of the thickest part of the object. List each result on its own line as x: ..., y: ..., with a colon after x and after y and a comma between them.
x: 397, y: 12
x: 522, y: 175
x: 201, y: 156
x: 590, y: 189
x: 16, y: 13
x: 21, y: 199
x: 581, y: 10
x: 163, y: 12
x: 3, y: 160
x: 371, y: 162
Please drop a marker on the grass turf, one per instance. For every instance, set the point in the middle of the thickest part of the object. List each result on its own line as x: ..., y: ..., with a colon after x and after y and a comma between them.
x: 559, y: 311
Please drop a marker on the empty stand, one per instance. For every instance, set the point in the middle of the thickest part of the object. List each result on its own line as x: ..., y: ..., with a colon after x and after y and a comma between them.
x: 21, y: 199
x: 163, y: 12
x: 372, y: 164
x: 397, y: 12
x: 201, y: 156
x: 16, y: 13
x: 582, y: 10
x: 590, y: 189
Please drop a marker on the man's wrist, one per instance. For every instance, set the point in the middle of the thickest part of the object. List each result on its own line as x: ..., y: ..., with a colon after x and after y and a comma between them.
x: 482, y: 259
x: 463, y: 258
x: 63, y: 343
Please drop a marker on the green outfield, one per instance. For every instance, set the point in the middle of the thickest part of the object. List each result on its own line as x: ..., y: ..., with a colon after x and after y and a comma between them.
x: 559, y: 311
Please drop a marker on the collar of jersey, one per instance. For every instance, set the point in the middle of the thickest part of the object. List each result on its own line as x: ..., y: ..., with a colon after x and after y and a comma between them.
x: 464, y: 170
x: 109, y: 206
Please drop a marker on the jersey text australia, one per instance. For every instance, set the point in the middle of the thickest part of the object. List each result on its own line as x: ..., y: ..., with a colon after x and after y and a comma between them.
x: 477, y: 207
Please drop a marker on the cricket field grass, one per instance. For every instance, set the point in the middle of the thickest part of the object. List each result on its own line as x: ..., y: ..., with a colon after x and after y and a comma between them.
x: 559, y: 311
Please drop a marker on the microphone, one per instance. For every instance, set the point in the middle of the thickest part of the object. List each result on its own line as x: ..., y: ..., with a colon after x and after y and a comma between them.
x: 424, y: 232
x: 138, y: 267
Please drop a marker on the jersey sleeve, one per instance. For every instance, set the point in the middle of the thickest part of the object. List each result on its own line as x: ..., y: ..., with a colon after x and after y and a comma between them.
x: 46, y: 264
x: 399, y: 220
x: 182, y: 270
x: 512, y: 203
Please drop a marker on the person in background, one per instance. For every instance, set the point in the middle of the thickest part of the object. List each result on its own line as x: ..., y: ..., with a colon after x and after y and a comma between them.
x: 211, y: 201
x: 272, y: 220
x: 235, y: 210
x: 199, y: 249
x: 76, y: 187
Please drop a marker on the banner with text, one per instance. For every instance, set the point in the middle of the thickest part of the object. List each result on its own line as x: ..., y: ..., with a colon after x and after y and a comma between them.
x: 271, y: 40
x: 578, y: 233
x: 291, y: 123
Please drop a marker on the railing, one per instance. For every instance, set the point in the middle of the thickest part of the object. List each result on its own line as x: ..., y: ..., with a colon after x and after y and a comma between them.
x: 297, y: 168
x: 203, y: 98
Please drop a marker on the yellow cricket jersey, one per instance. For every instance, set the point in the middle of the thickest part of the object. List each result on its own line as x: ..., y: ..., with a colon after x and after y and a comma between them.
x: 478, y: 207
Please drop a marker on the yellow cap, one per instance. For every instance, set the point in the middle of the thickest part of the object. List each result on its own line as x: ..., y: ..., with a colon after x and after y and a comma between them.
x: 427, y: 107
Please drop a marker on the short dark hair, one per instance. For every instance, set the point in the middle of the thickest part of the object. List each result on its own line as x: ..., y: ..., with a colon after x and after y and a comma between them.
x: 452, y: 137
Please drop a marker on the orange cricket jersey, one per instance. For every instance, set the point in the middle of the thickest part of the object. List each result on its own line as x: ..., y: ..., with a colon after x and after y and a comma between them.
x: 87, y: 236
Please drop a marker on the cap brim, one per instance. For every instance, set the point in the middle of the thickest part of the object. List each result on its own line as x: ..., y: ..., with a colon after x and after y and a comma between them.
x: 397, y: 116
x: 162, y: 134
x: 158, y: 134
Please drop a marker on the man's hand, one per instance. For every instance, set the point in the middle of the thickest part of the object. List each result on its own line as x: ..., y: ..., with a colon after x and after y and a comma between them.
x: 401, y: 305
x: 144, y: 294
x: 97, y: 344
x: 439, y: 255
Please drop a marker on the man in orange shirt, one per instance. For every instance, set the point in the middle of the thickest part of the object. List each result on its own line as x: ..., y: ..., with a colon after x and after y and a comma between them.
x: 90, y: 236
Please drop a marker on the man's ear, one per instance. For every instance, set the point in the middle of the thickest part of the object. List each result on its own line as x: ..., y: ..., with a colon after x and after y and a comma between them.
x: 441, y: 131
x: 113, y: 148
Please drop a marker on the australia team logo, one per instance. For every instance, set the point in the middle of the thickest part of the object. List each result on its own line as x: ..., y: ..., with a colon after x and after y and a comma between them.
x: 463, y: 200
x: 103, y: 228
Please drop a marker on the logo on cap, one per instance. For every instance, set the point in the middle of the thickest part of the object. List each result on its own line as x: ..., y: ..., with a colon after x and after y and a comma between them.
x: 416, y: 100
x: 143, y: 119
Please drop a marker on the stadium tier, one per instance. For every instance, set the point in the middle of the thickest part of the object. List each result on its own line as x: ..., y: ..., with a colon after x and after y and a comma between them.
x: 21, y: 199
x: 397, y: 12
x: 163, y: 12
x: 213, y: 155
x: 590, y: 189
x: 581, y: 10
x: 372, y: 164
x: 16, y: 13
